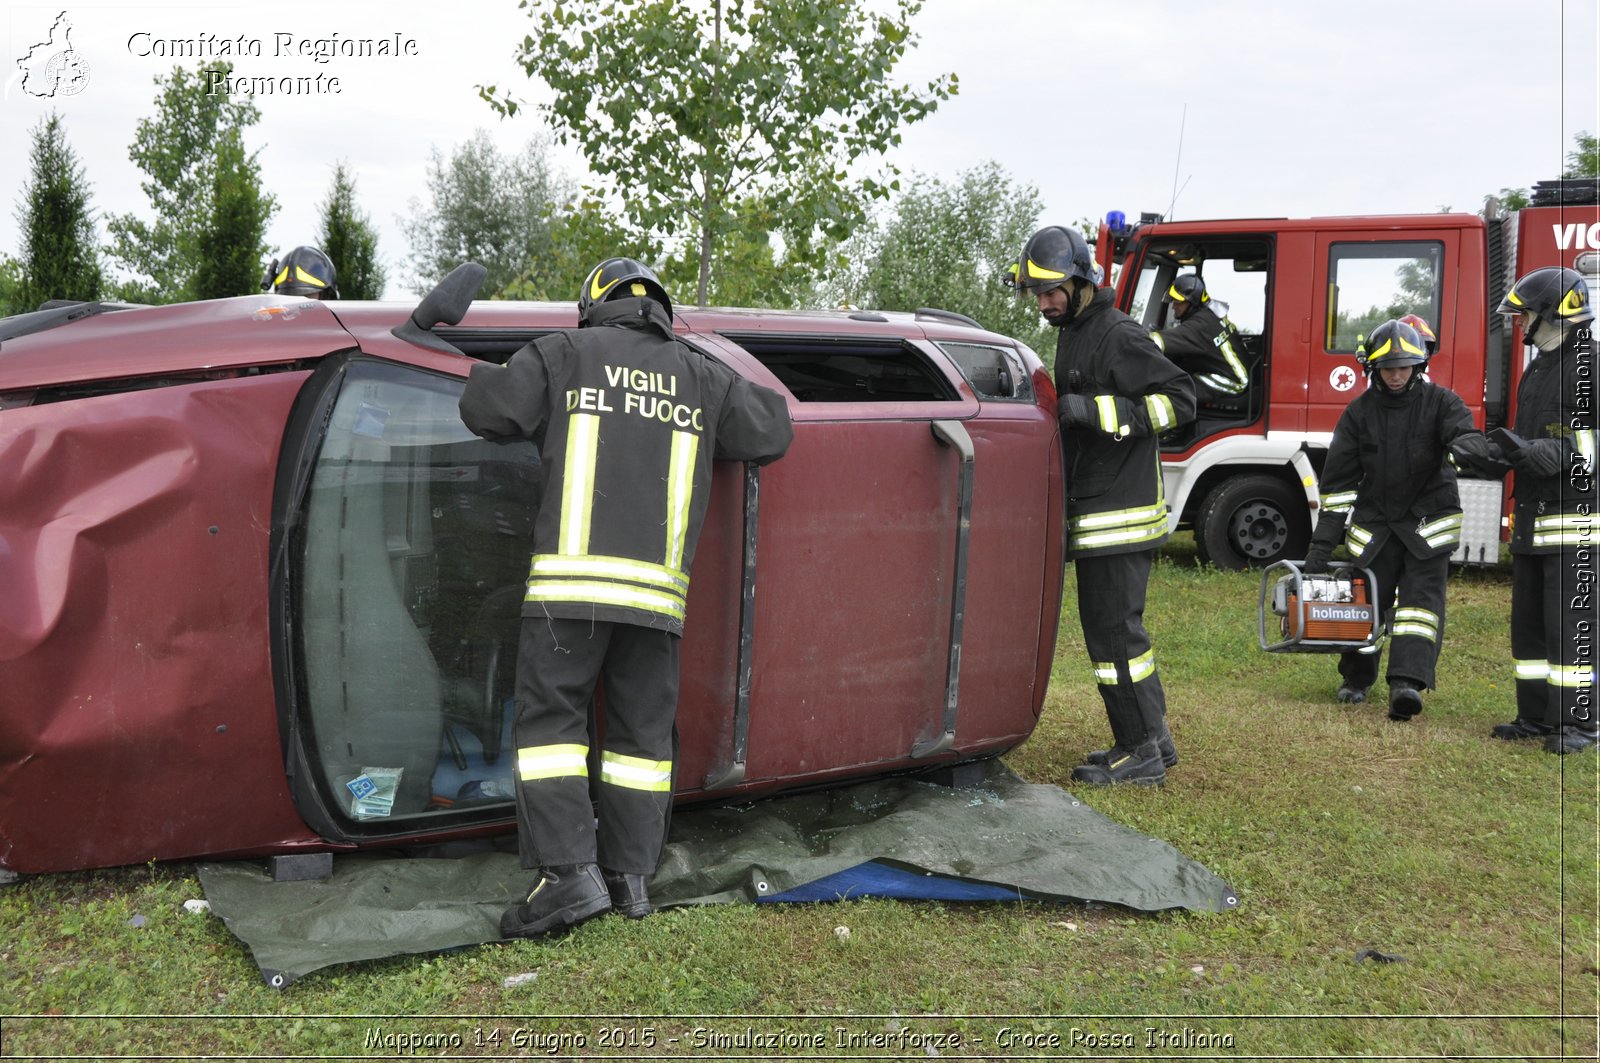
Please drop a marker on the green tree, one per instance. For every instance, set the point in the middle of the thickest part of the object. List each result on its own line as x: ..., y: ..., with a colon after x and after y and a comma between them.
x: 948, y: 245
x: 60, y: 256
x: 234, y: 228
x: 350, y: 241
x: 1584, y: 159
x: 488, y: 208
x: 11, y: 281
x: 205, y: 189
x: 698, y: 117
x: 582, y: 235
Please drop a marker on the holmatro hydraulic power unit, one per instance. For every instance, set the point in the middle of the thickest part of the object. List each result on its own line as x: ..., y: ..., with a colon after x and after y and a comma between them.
x: 1331, y: 613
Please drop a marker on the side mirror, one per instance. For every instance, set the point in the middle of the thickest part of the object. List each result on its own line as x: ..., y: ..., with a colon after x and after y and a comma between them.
x: 447, y: 304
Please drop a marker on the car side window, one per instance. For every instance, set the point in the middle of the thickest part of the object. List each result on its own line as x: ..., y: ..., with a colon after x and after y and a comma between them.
x: 994, y: 372
x: 413, y: 554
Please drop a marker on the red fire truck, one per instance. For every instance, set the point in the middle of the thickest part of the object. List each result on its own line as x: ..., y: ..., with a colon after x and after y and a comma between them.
x: 1302, y: 293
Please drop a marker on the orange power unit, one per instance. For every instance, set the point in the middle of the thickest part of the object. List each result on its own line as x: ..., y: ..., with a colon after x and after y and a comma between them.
x: 1331, y: 613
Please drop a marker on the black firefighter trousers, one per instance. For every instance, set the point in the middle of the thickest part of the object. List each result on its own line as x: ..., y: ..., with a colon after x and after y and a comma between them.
x: 1411, y: 591
x: 1553, y: 621
x: 558, y: 662
x: 1111, y: 596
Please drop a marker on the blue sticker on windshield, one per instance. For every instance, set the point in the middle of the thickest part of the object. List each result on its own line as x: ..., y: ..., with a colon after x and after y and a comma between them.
x: 370, y: 421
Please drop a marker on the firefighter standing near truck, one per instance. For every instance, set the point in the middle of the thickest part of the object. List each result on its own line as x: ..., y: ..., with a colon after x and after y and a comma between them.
x: 1204, y: 343
x: 627, y: 421
x: 1117, y: 393
x: 1388, y: 491
x: 1555, y: 517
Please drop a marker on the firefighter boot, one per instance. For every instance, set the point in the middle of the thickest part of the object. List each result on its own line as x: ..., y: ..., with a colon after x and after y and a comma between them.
x: 562, y: 897
x: 630, y: 895
x: 1518, y: 729
x: 1140, y: 766
x: 1571, y: 739
x: 1349, y: 695
x: 1169, y: 752
x: 1405, y: 699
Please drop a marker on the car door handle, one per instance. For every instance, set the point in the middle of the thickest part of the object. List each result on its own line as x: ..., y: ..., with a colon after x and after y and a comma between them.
x: 733, y: 773
x: 954, y: 434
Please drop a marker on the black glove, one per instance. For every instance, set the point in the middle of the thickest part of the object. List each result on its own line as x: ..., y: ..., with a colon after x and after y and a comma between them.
x: 1077, y: 411
x: 1542, y: 458
x: 1317, y: 559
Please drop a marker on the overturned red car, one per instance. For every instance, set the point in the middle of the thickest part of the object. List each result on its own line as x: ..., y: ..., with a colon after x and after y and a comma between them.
x: 253, y: 561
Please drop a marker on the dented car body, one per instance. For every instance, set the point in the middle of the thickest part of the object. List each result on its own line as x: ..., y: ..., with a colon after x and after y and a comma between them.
x: 253, y: 561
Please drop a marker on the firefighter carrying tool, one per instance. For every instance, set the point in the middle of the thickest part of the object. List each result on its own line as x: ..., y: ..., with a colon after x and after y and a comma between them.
x: 1117, y: 394
x: 627, y: 421
x: 1389, y: 492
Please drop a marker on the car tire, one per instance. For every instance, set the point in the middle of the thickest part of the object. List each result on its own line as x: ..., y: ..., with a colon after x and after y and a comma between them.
x: 1250, y: 522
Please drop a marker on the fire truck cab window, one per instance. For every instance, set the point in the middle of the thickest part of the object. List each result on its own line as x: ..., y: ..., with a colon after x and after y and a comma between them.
x: 1237, y: 271
x: 1371, y: 282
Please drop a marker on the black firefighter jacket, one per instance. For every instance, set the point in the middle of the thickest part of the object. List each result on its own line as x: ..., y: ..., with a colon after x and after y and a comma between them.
x: 1116, y: 502
x: 1387, y: 473
x: 627, y: 421
x: 1206, y: 346
x: 1556, y: 412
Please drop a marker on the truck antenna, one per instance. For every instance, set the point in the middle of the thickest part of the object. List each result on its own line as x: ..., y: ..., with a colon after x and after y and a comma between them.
x: 1178, y: 161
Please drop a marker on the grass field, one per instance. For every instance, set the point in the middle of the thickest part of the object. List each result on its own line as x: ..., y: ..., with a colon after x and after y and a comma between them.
x: 1474, y: 860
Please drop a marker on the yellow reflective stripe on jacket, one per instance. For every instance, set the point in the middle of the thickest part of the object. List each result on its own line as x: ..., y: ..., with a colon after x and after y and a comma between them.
x: 1161, y: 343
x: 1241, y: 378
x: 599, y: 566
x: 1564, y: 529
x: 577, y: 483
x: 1155, y: 528
x: 621, y: 594
x: 1410, y: 620
x: 1571, y: 675
x: 1357, y: 538
x: 1109, y: 422
x: 552, y: 762
x: 1533, y: 669
x: 1339, y: 501
x: 680, y: 493
x: 1441, y: 531
x: 1162, y: 415
x: 635, y: 773
x: 1583, y: 442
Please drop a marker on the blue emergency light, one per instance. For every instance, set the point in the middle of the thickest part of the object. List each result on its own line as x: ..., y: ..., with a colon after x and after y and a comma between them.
x: 1116, y: 221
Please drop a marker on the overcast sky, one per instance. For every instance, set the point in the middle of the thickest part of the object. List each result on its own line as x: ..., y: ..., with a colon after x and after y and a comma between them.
x: 1293, y: 108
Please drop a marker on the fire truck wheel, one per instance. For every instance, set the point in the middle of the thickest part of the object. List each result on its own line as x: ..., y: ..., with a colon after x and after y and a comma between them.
x: 1250, y: 522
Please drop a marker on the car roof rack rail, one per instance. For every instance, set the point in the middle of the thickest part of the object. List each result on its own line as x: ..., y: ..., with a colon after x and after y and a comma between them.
x: 946, y: 315
x: 53, y: 314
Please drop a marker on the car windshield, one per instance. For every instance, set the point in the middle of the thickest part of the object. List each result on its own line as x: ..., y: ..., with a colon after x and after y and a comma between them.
x: 412, y: 567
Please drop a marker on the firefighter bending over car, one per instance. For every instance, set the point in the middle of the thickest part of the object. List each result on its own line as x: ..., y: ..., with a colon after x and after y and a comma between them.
x: 1389, y: 493
x: 1204, y: 342
x: 627, y: 421
x: 1117, y: 394
x: 1555, y: 530
x: 305, y: 271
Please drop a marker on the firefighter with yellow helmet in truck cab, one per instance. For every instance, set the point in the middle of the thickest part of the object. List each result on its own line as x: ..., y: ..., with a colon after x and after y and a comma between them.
x: 627, y: 421
x: 1203, y: 341
x: 1117, y: 394
x: 1555, y: 517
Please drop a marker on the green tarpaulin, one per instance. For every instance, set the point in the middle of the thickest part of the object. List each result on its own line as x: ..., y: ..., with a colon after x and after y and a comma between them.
x: 1039, y: 842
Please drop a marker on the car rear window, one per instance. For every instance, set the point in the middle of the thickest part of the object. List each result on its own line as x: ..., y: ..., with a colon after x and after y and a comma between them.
x: 848, y: 369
